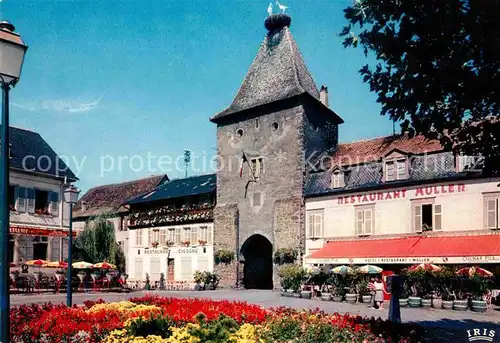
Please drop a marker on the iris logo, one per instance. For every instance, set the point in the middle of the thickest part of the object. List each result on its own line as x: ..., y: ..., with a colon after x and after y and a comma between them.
x: 480, y: 335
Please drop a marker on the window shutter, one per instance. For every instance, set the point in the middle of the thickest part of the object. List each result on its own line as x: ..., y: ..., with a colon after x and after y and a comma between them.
x: 186, y: 268
x: 210, y: 235
x: 178, y: 236
x: 318, y: 225
x: 138, y: 269
x: 54, y: 203
x: 368, y: 222
x: 310, y: 226
x: 163, y: 234
x: 150, y: 236
x: 417, y: 218
x: 401, y: 169
x: 437, y: 217
x: 20, y: 196
x: 359, y: 223
x: 203, y: 263
x: 389, y: 169
x: 31, y: 200
x: 491, y: 214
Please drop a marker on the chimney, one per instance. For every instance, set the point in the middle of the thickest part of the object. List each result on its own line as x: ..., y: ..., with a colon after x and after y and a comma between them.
x: 323, y: 95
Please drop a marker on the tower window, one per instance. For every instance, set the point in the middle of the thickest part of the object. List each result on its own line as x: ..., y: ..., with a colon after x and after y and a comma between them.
x: 275, y: 126
x: 257, y: 167
x: 239, y: 132
x: 257, y: 123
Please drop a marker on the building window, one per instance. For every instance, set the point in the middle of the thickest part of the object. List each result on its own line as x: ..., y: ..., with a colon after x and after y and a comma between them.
x: 337, y: 179
x: 31, y: 200
x: 256, y: 199
x: 40, y: 244
x: 163, y: 237
x: 12, y: 197
x: 239, y: 132
x: 41, y: 202
x: 491, y: 211
x: 426, y: 216
x: 257, y: 123
x: 203, y: 263
x: 365, y: 221
x: 257, y: 167
x: 194, y: 235
x: 178, y: 236
x: 186, y: 234
x: 138, y: 268
x: 315, y: 224
x: 206, y: 234
x: 54, y: 203
x: 395, y: 170
x: 138, y: 237
x: 465, y: 163
x: 171, y: 235
x: 275, y: 126
x: 155, y: 268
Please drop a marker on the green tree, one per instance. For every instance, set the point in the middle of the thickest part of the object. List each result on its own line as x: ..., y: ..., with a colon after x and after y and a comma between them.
x: 97, y: 242
x: 437, y: 69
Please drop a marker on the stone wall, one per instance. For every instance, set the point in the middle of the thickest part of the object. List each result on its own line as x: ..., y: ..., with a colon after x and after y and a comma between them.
x: 288, y: 228
x: 226, y: 218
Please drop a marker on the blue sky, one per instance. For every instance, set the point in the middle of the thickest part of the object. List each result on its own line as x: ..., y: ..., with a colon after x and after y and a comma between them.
x: 124, y: 78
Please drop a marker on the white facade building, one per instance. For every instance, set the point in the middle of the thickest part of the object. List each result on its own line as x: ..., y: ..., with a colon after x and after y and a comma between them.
x: 176, y: 261
x: 38, y: 213
x: 400, y: 208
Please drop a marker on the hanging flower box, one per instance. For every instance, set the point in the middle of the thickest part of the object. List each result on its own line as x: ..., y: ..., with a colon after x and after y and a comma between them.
x: 186, y: 243
x: 154, y: 244
x: 169, y: 243
x: 202, y: 242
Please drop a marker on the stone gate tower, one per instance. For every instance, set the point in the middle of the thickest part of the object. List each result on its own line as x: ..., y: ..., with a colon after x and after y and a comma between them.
x: 275, y: 124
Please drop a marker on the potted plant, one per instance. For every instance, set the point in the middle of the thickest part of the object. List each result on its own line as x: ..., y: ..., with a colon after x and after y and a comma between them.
x: 415, y: 280
x: 154, y: 244
x: 351, y: 280
x: 405, y: 293
x: 186, y: 243
x: 223, y: 256
x: 306, y: 292
x: 202, y: 242
x: 292, y: 277
x: 198, y: 279
x: 426, y: 300
x: 169, y: 243
x: 162, y: 281
x: 460, y: 302
x: 326, y: 294
x: 447, y: 301
x: 147, y: 286
x: 285, y: 255
x: 211, y: 279
x: 479, y: 288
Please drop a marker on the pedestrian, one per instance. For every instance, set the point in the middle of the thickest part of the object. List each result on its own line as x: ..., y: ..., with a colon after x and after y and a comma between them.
x: 379, y: 293
x: 371, y: 288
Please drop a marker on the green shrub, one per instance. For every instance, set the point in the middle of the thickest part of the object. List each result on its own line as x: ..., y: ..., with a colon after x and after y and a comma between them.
x: 292, y: 276
x: 158, y: 325
x: 224, y: 256
x: 285, y: 256
x: 215, y: 331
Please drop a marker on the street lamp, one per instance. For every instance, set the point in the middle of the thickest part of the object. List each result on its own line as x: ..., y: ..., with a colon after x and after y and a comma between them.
x: 70, y: 196
x: 12, y: 50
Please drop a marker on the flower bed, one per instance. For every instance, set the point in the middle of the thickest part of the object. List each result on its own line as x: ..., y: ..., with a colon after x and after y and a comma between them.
x: 172, y: 320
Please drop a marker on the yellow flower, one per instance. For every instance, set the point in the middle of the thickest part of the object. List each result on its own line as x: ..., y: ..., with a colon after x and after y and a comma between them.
x: 247, y: 333
x: 182, y: 335
x: 120, y: 336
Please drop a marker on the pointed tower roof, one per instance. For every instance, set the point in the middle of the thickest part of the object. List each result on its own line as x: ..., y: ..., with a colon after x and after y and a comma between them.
x: 278, y: 72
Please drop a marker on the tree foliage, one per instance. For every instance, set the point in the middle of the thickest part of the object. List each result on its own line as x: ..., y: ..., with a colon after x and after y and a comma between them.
x: 437, y: 69
x: 97, y: 243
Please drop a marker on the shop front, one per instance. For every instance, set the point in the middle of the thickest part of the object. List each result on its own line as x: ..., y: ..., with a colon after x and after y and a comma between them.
x: 177, y: 264
x: 397, y: 253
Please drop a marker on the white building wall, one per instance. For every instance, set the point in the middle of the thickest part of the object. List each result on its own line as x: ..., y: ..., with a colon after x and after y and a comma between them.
x: 140, y: 256
x: 23, y: 247
x: 462, y: 209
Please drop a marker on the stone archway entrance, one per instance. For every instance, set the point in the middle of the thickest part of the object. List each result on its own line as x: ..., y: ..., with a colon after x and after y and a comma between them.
x: 258, y: 263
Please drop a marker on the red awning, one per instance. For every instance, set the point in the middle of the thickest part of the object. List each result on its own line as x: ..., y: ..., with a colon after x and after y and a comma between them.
x: 413, y: 249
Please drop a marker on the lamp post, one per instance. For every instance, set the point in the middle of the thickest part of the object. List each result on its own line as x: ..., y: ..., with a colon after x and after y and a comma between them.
x: 70, y: 196
x: 12, y: 50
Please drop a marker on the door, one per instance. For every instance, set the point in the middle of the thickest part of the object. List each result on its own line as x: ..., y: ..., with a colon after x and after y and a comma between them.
x: 170, y: 269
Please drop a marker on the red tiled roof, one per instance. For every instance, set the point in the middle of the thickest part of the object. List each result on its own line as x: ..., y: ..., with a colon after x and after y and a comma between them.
x: 413, y: 246
x: 108, y: 198
x: 373, y: 149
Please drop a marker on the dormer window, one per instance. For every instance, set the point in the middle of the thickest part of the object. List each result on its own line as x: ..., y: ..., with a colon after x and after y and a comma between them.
x: 337, y: 179
x: 464, y: 163
x: 395, y: 169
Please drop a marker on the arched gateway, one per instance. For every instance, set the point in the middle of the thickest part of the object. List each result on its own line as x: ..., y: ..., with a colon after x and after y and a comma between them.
x: 257, y: 252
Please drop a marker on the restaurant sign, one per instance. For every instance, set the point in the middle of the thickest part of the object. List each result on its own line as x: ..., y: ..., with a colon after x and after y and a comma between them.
x: 406, y: 260
x: 401, y: 194
x: 34, y: 231
x: 161, y: 251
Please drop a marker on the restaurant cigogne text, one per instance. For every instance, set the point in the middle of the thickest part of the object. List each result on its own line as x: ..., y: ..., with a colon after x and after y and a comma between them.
x: 402, y: 193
